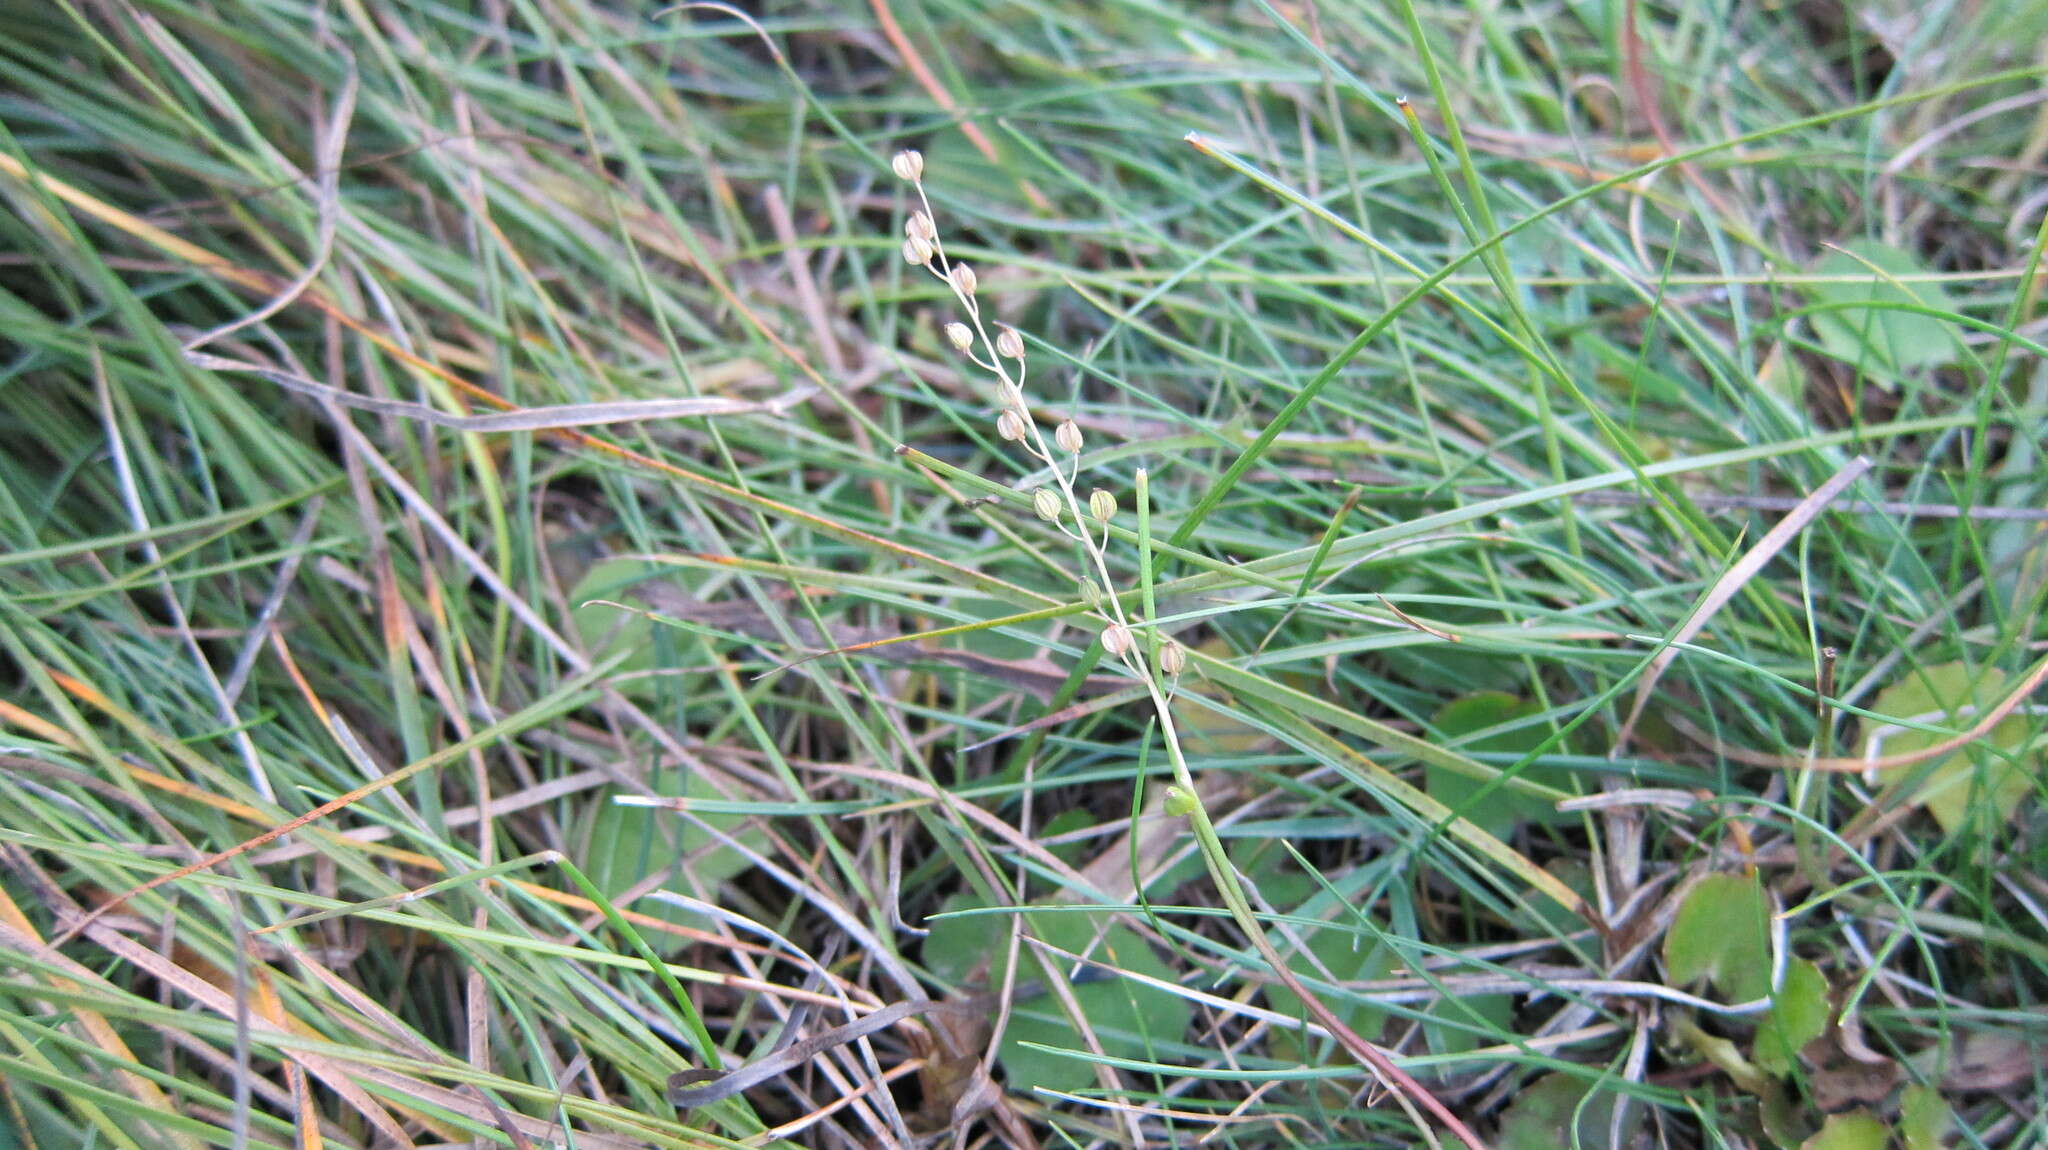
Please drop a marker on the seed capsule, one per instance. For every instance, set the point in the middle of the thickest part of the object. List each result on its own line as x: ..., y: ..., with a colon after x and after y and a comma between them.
x: 1009, y: 426
x: 1068, y: 436
x: 1116, y: 639
x: 916, y: 252
x: 1009, y: 344
x: 1179, y: 803
x: 963, y: 279
x: 908, y: 164
x: 1173, y: 658
x: 1047, y: 505
x: 1102, y: 505
x: 1091, y: 593
x: 960, y: 336
x: 920, y: 226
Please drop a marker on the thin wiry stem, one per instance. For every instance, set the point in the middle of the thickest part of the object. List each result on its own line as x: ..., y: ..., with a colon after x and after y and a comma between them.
x: 1132, y: 656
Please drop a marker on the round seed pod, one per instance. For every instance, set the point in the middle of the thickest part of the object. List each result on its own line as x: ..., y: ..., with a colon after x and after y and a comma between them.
x: 908, y: 164
x: 1116, y: 639
x: 1173, y: 658
x: 1102, y: 505
x: 960, y: 336
x: 1046, y: 504
x: 1068, y: 436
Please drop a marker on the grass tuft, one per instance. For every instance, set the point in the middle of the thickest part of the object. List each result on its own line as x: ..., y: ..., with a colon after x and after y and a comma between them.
x: 539, y: 606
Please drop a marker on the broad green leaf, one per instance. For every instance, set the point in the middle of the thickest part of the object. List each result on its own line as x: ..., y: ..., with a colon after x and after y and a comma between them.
x: 600, y: 629
x: 1799, y: 1014
x: 1783, y: 1118
x: 1492, y: 1014
x: 1721, y: 935
x: 1344, y: 953
x: 1947, y: 696
x: 1924, y: 1118
x: 1554, y: 1113
x: 1498, y: 813
x: 1623, y: 373
x: 1884, y: 339
x: 1856, y: 1130
x: 1066, y: 822
x: 1351, y: 958
x: 1781, y: 375
x: 1128, y: 1017
x: 625, y: 845
x: 1293, y: 713
x: 1545, y: 915
x: 1206, y: 730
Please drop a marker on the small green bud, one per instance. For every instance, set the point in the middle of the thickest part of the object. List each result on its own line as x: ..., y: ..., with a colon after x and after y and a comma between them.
x: 1179, y: 803
x: 1046, y: 504
x: 1091, y: 594
x: 1102, y: 505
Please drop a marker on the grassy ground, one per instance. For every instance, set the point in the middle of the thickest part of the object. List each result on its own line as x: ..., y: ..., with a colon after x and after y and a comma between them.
x: 430, y: 431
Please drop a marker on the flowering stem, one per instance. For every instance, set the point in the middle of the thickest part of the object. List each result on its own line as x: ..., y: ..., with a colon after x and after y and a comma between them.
x: 1144, y: 661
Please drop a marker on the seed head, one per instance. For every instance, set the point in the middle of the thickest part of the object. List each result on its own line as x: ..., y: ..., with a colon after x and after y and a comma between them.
x: 960, y: 336
x: 908, y: 164
x: 1046, y: 504
x: 1116, y: 639
x: 1068, y: 436
x: 963, y: 279
x: 1009, y: 344
x: 1173, y: 658
x: 1102, y: 505
x: 920, y: 226
x: 917, y: 252
x: 1009, y: 426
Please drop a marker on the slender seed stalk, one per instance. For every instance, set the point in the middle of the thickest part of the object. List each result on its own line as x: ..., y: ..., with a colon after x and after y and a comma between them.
x: 926, y: 247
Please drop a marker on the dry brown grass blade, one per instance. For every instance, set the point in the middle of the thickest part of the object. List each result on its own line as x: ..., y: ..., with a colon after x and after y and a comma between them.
x: 1066, y: 714
x: 306, y: 1116
x: 1646, y: 99
x: 1732, y: 581
x: 1410, y: 1093
x: 429, y: 762
x: 98, y: 1030
x: 926, y: 792
x: 1038, y: 676
x: 177, y: 980
x: 1840, y: 764
x: 258, y: 281
x: 914, y: 60
x: 38, y: 726
x: 367, y: 840
x: 555, y: 417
